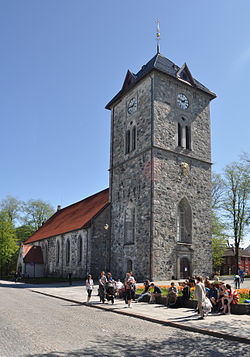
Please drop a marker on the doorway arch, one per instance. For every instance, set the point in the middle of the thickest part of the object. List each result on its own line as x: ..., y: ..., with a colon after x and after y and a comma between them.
x: 129, y: 265
x: 184, y: 268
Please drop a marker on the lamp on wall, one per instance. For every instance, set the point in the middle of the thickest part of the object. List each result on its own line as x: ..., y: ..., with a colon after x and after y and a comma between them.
x: 106, y: 226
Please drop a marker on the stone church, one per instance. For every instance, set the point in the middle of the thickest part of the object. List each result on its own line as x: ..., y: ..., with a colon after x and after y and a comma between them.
x: 155, y: 218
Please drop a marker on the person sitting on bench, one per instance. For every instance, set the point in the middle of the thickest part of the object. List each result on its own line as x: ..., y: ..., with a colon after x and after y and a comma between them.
x: 156, y: 293
x: 172, y: 294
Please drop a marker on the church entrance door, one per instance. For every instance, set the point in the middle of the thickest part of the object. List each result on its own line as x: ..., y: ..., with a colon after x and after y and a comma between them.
x: 129, y: 265
x: 184, y: 268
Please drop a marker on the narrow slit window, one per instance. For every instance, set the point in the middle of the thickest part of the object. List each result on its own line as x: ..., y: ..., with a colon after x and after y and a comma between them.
x: 134, y: 138
x: 188, y: 146
x: 179, y: 134
x: 127, y: 143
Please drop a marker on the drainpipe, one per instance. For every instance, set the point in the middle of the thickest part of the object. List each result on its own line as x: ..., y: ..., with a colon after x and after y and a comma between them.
x: 87, y: 249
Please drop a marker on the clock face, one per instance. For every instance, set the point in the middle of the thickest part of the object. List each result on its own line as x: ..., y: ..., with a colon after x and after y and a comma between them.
x: 132, y: 106
x: 182, y: 101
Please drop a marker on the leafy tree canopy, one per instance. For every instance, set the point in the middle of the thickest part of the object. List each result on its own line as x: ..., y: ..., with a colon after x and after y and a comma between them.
x: 12, y: 206
x: 36, y: 212
x: 8, y: 241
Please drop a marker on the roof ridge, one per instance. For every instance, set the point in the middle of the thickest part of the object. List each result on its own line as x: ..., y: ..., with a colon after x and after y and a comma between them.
x: 86, y: 198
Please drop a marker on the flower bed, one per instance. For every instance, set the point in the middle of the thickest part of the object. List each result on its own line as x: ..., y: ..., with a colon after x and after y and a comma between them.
x: 243, y: 293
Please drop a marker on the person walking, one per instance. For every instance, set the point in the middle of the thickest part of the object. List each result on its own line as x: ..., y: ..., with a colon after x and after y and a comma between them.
x: 241, y: 272
x: 128, y: 284
x: 133, y: 290
x: 237, y: 281
x: 200, y: 295
x: 89, y: 287
x: 102, y: 282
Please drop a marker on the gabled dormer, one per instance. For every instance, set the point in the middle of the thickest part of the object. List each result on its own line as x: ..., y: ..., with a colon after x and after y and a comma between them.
x: 185, y: 74
x: 129, y: 80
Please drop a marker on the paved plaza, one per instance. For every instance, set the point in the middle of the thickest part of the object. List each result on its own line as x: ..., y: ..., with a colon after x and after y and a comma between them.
x: 36, y: 325
x: 186, y: 318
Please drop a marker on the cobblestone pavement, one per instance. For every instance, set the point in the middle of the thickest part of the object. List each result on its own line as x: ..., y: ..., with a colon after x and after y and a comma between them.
x: 228, y: 324
x: 35, y: 325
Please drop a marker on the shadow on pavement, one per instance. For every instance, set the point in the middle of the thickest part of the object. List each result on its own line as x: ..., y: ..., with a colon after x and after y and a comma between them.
x: 117, y: 345
x: 18, y: 285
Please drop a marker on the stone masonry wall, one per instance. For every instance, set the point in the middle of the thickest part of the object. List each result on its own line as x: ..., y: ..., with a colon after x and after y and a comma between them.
x: 131, y: 183
x: 99, y: 245
x: 169, y: 189
x: 167, y: 114
x: 156, y: 252
x: 61, y: 268
x: 171, y: 185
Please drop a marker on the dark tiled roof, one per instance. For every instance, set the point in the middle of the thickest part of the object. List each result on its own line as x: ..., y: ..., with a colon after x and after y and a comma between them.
x: 242, y: 252
x: 162, y: 64
x: 32, y: 254
x: 73, y: 217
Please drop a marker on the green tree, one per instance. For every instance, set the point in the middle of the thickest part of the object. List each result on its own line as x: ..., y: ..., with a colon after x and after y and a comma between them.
x: 8, y: 242
x: 236, y: 202
x: 12, y: 206
x: 36, y: 212
x: 218, y: 187
x: 219, y: 237
x: 219, y: 241
x: 24, y: 232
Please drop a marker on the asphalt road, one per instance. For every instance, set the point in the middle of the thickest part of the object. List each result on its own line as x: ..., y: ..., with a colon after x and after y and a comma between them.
x: 35, y: 325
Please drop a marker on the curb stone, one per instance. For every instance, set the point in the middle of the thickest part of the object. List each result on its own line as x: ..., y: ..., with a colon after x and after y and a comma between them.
x: 155, y: 320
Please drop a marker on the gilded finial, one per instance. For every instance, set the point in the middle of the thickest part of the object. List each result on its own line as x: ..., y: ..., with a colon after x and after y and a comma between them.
x: 158, y: 36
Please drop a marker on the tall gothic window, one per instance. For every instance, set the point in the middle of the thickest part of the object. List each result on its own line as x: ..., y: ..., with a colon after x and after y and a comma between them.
x: 134, y: 138
x: 68, y: 252
x: 130, y: 140
x: 184, y: 222
x: 127, y: 143
x: 57, y: 252
x: 188, y: 137
x: 179, y: 134
x: 184, y: 135
x: 129, y: 229
x: 79, y: 249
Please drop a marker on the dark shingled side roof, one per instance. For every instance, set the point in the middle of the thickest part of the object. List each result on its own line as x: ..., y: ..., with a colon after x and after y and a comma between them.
x: 73, y: 217
x: 162, y: 64
x: 32, y: 254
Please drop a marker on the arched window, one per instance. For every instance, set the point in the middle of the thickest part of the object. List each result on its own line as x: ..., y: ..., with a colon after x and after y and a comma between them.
x: 129, y: 265
x: 130, y: 139
x: 57, y: 252
x: 46, y: 253
x: 129, y: 229
x: 134, y: 138
x: 188, y: 137
x: 184, y: 222
x: 79, y: 249
x: 127, y: 142
x: 179, y: 134
x: 68, y: 252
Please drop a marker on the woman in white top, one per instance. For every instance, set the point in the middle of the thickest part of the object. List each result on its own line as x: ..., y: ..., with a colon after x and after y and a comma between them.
x: 89, y: 287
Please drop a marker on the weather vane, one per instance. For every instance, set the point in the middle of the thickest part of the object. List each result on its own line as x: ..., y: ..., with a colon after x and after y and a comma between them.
x: 158, y: 36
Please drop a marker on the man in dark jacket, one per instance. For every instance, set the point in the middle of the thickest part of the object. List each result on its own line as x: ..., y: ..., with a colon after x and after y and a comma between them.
x: 156, y: 293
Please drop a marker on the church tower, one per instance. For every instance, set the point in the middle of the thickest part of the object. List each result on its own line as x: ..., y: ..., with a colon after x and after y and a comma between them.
x: 160, y: 174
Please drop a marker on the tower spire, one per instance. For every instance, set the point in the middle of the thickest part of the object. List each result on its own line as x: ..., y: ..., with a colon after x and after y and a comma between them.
x: 158, y: 36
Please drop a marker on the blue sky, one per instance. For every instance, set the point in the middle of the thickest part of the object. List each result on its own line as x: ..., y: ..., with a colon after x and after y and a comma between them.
x: 62, y: 61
